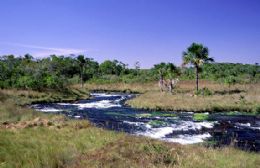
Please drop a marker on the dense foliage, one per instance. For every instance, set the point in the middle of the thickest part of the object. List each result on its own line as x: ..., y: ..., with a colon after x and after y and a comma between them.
x: 57, y: 72
x: 227, y: 72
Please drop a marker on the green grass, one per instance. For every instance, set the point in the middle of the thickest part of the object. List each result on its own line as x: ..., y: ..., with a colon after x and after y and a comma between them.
x: 78, y: 144
x: 9, y: 112
x: 51, y: 147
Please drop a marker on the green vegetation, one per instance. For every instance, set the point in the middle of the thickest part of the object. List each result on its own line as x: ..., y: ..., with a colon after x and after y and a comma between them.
x: 24, y: 97
x: 200, y: 116
x: 157, y: 123
x: 49, y: 146
x: 204, y: 92
x: 59, y: 72
x: 144, y: 152
x: 156, y: 114
x: 118, y: 114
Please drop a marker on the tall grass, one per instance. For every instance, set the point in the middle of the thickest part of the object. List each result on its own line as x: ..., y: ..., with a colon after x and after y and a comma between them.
x: 144, y: 152
x: 10, y: 112
x: 49, y: 146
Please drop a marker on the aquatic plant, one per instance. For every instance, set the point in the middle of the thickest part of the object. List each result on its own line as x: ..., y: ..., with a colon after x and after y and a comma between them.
x: 157, y: 123
x: 119, y: 114
x: 157, y: 114
x: 200, y: 116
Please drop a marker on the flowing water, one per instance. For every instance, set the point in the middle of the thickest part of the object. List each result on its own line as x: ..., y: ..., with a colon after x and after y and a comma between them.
x: 109, y: 111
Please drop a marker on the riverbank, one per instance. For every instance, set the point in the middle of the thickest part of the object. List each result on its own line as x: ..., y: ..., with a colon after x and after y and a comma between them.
x: 13, y: 102
x: 80, y: 145
x: 27, y: 97
x: 221, y: 98
x: 49, y: 140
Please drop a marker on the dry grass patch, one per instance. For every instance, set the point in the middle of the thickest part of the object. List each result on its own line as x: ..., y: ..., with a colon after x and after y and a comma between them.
x: 123, y: 87
x: 244, y: 98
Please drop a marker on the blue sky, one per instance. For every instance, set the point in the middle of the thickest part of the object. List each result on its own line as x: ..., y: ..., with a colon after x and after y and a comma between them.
x: 148, y: 31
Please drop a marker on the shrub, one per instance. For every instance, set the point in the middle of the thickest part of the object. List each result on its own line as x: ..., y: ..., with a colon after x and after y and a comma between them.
x: 257, y: 109
x: 204, y: 92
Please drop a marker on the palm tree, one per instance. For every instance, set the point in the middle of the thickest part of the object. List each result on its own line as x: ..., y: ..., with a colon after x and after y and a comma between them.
x: 196, y: 55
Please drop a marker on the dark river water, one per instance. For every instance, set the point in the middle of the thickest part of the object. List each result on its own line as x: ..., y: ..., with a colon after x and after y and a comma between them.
x: 218, y: 129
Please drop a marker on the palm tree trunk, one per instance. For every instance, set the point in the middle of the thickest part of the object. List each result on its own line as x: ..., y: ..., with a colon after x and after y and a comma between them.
x: 197, y: 78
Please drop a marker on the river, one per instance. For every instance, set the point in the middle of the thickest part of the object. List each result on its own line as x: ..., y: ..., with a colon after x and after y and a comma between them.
x: 217, y: 129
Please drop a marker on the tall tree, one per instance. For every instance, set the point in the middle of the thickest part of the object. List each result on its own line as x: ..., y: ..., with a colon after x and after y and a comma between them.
x: 196, y: 55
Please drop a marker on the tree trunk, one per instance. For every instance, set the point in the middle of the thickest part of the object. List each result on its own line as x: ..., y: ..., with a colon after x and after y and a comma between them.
x: 197, y: 78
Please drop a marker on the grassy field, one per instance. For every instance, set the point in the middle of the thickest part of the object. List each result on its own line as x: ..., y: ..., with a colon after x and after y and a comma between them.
x: 239, y: 97
x: 31, y: 139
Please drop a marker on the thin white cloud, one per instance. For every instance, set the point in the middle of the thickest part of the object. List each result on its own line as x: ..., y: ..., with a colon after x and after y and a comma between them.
x: 46, y: 51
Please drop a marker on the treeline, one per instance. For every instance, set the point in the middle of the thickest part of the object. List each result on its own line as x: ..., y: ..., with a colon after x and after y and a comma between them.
x: 239, y: 73
x: 57, y: 72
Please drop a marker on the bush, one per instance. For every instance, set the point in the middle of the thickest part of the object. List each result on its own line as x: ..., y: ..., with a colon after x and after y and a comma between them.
x: 26, y: 82
x: 204, y: 92
x: 257, y: 109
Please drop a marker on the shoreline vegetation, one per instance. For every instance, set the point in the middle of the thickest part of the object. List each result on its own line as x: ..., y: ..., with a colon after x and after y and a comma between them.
x: 24, y: 97
x: 49, y: 140
x: 221, y: 98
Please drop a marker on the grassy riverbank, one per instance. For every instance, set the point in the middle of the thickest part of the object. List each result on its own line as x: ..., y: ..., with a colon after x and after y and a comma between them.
x: 12, y: 101
x: 245, y: 98
x: 78, y: 144
x: 24, y: 97
x: 32, y: 139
